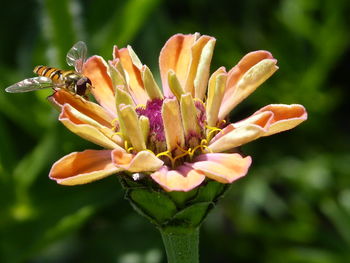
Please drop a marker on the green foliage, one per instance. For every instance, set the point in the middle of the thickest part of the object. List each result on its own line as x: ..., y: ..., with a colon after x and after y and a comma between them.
x: 293, y: 206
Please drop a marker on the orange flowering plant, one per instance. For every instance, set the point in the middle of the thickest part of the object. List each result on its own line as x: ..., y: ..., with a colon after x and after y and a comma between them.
x: 172, y: 147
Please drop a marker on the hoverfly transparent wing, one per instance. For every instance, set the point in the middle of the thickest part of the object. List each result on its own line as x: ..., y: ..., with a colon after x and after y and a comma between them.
x: 31, y: 84
x: 76, y: 56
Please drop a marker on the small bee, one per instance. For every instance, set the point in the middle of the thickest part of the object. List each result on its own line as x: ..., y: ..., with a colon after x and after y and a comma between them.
x: 71, y: 80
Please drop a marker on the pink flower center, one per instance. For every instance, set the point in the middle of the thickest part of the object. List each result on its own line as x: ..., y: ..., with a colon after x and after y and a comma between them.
x: 153, y: 111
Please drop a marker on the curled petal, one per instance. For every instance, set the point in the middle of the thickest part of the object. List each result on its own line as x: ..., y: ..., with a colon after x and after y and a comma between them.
x: 144, y: 161
x: 184, y: 178
x: 266, y: 121
x: 88, y: 128
x: 83, y: 167
x: 247, y: 62
x: 176, y: 55
x: 285, y: 117
x: 223, y: 167
x: 198, y: 74
x: 189, y: 57
x: 245, y: 77
x: 132, y: 68
x: 262, y: 119
x: 88, y: 108
x: 96, y: 69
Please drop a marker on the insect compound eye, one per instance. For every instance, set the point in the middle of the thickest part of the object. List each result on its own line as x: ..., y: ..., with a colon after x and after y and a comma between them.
x: 82, y: 86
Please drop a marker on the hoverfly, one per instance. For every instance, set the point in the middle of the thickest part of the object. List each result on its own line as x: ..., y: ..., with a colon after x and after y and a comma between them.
x: 49, y: 77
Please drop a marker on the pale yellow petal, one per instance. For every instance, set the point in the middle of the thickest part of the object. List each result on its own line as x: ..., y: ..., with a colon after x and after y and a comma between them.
x: 198, y: 74
x: 151, y: 86
x: 175, y: 85
x: 115, y: 71
x: 189, y: 116
x: 173, y: 129
x: 133, y: 129
x: 216, y: 88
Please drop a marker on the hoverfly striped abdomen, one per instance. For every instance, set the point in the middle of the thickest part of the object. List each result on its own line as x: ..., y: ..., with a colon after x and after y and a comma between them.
x: 54, y: 74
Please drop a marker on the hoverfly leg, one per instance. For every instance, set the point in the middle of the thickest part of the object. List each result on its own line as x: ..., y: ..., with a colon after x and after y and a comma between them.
x: 51, y: 99
x: 83, y: 98
x: 53, y: 94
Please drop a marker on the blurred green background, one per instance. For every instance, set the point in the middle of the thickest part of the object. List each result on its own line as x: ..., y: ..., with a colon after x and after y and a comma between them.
x: 294, y: 205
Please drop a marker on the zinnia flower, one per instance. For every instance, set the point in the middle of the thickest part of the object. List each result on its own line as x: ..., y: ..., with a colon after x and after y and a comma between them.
x: 178, y: 137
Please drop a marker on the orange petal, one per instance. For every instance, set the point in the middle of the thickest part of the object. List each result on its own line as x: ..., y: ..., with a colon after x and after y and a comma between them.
x: 88, y: 108
x: 184, y: 178
x: 136, y: 88
x: 266, y: 121
x: 223, y: 167
x: 96, y: 69
x: 88, y: 128
x: 144, y: 161
x: 176, y: 55
x: 253, y: 69
x: 83, y: 167
x: 285, y: 117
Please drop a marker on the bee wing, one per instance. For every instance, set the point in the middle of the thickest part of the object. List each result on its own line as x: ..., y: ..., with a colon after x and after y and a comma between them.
x: 76, y: 56
x: 31, y: 84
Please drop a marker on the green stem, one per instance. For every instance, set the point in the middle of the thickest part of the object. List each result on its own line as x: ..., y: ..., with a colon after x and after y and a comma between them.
x: 181, y: 245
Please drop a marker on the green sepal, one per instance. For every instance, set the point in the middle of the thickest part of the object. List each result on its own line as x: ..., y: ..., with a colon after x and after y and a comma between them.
x: 210, y: 192
x: 181, y: 198
x: 192, y: 216
x: 153, y: 204
x: 169, y: 210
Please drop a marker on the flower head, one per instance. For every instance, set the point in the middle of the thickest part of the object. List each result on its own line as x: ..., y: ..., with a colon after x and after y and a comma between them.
x: 176, y: 136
